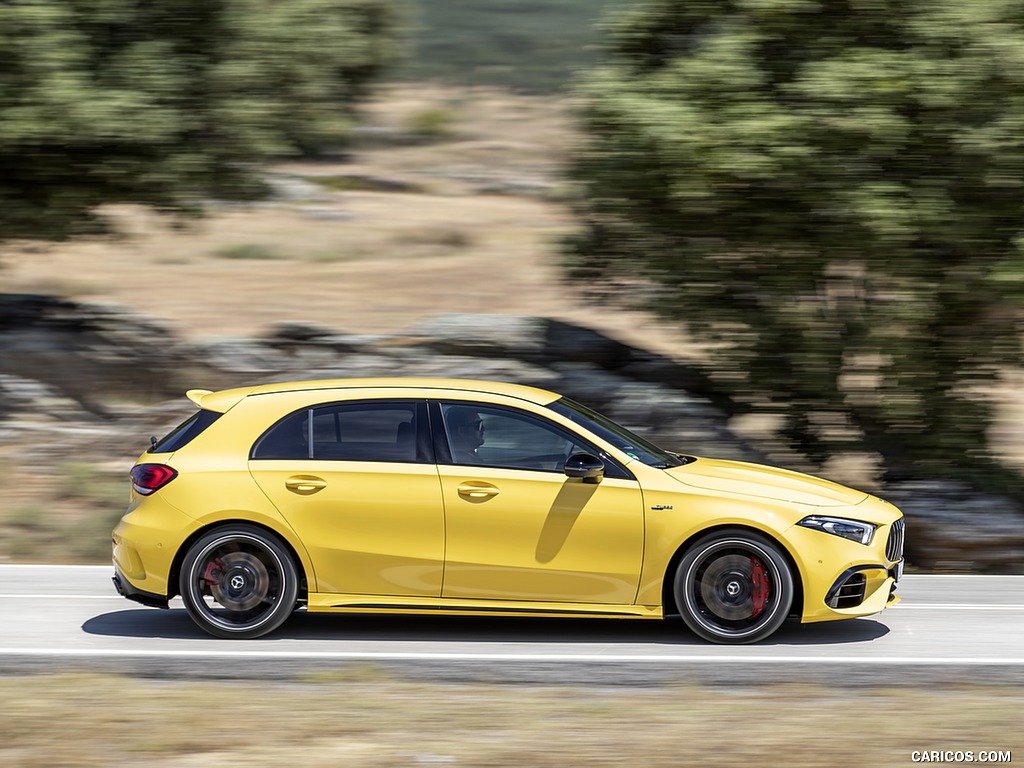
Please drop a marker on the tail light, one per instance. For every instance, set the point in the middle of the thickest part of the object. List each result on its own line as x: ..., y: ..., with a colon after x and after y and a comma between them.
x: 150, y: 478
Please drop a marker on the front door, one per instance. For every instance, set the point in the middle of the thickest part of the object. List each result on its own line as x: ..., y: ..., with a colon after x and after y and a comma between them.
x: 518, y: 528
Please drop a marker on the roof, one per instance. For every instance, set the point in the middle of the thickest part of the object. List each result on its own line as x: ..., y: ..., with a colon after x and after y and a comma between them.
x: 223, y: 400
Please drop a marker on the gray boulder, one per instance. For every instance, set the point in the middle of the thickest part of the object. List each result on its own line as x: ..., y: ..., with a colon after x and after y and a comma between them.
x: 951, y: 527
x: 86, y: 350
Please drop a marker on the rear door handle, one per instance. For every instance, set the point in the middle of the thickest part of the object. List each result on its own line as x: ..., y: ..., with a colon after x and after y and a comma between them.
x: 304, y: 484
x: 478, y: 491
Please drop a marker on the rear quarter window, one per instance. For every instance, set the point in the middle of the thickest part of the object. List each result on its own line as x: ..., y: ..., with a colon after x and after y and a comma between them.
x: 185, y: 432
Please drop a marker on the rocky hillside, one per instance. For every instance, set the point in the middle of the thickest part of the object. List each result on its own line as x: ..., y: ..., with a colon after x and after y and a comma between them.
x: 86, y: 384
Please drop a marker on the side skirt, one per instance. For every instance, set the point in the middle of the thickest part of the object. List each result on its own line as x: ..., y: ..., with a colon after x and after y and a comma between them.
x: 331, y: 603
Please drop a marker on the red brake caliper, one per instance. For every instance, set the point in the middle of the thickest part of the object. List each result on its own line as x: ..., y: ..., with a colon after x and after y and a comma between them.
x: 211, y: 575
x: 761, y: 586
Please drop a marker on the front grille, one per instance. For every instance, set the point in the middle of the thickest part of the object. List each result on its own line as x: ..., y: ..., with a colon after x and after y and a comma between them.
x: 894, y: 546
x: 850, y: 593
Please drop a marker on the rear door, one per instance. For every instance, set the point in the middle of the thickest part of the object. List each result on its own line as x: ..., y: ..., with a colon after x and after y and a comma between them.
x: 357, y: 482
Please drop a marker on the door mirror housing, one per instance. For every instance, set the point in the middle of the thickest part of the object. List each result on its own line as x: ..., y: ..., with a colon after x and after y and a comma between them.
x: 585, y: 466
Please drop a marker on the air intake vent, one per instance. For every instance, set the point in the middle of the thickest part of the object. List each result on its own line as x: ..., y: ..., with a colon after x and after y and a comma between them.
x: 850, y: 593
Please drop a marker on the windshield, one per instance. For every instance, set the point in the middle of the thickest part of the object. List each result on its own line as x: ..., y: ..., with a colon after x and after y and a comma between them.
x: 632, y: 445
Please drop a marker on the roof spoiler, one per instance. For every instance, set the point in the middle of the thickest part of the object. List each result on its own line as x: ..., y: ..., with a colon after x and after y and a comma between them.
x: 219, y: 402
x: 197, y: 395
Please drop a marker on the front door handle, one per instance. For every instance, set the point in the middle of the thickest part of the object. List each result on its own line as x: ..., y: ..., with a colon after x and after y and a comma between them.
x: 304, y: 483
x: 478, y: 491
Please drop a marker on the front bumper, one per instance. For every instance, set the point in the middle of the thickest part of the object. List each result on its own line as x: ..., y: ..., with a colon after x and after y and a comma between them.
x: 844, y: 579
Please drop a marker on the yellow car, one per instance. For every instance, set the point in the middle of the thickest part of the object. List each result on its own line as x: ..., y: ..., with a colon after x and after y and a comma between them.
x: 471, y: 497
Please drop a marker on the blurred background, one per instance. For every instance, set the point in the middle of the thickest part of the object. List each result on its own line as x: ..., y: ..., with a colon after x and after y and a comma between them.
x: 783, y: 231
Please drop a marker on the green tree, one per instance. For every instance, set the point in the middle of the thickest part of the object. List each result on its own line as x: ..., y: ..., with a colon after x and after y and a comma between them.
x: 167, y: 103
x: 831, y: 190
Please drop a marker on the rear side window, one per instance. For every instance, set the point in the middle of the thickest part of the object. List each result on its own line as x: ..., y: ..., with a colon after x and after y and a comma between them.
x: 375, y: 432
x: 185, y: 432
x: 365, y: 431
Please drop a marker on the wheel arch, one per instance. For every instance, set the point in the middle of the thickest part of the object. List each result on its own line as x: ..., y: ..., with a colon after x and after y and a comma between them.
x: 179, y: 556
x: 668, y: 597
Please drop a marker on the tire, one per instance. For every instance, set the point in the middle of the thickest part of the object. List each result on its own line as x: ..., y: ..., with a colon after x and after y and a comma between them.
x: 239, y: 582
x: 734, y: 587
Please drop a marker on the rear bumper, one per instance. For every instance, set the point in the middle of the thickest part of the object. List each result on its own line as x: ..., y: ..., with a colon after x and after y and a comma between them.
x: 145, y: 542
x: 125, y: 589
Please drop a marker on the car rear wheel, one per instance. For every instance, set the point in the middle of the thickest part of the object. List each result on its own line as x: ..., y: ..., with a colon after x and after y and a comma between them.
x: 734, y: 587
x: 239, y: 582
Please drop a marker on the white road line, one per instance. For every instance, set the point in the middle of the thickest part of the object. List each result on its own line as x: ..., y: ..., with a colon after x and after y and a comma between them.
x: 955, y: 607
x: 54, y: 596
x: 918, y: 578
x: 552, y: 657
x: 5, y: 566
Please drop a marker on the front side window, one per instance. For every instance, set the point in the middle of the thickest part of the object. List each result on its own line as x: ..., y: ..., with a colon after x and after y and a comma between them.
x: 488, y: 436
x: 363, y: 431
x: 629, y: 443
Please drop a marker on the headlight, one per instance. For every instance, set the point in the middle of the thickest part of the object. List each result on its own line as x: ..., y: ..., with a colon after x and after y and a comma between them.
x: 854, y: 530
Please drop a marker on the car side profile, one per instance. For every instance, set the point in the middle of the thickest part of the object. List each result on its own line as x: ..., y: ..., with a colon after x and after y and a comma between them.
x: 485, y: 498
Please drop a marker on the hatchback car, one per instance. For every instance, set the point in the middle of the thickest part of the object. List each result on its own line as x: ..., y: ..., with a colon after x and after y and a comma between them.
x: 469, y: 497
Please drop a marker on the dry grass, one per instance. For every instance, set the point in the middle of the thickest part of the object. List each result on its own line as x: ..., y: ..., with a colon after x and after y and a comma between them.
x: 358, y: 260
x: 61, y: 513
x: 1006, y: 435
x: 368, y: 719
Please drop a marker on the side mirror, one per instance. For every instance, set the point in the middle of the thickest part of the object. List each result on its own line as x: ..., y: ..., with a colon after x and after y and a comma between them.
x: 586, y: 466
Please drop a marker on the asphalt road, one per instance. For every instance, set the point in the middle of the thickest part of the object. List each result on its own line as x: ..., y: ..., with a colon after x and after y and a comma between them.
x: 948, y: 629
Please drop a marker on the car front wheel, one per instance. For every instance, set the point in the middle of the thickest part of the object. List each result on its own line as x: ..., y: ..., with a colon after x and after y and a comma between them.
x: 239, y: 582
x: 734, y: 587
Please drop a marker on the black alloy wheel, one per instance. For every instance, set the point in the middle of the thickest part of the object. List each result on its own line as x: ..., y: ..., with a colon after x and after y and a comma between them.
x: 239, y: 582
x: 733, y: 587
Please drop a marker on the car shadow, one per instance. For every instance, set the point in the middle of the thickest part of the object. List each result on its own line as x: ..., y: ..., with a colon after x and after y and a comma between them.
x: 175, y: 624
